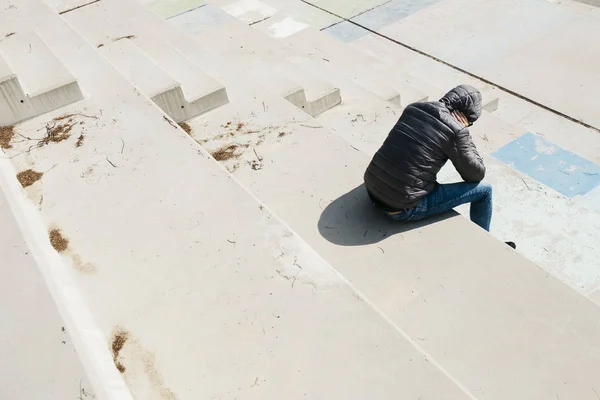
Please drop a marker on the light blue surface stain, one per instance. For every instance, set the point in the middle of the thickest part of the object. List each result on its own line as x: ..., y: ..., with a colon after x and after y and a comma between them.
x: 200, y: 19
x: 561, y: 170
x: 346, y: 31
x: 391, y: 12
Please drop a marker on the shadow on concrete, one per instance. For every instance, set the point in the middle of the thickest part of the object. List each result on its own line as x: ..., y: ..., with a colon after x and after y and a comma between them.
x: 352, y: 220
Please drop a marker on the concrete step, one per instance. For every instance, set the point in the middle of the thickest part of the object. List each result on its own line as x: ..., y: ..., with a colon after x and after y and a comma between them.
x: 27, y: 90
x: 201, y: 92
x: 546, y: 224
x: 316, y: 97
x: 432, y: 77
x: 33, y: 328
x: 322, y: 48
x: 239, y: 35
x: 311, y: 94
x: 305, y: 174
x: 252, y: 293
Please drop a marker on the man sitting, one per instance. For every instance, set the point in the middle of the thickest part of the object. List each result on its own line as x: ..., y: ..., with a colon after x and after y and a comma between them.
x: 401, y: 178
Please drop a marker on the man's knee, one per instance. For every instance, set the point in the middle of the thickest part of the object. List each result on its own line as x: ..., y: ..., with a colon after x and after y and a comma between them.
x: 485, y: 187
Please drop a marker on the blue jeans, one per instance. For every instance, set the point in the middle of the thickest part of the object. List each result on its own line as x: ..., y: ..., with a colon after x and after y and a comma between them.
x: 446, y: 197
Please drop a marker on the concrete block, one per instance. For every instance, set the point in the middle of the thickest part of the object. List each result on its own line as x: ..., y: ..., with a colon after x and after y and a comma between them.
x: 241, y: 41
x: 27, y: 90
x: 201, y: 92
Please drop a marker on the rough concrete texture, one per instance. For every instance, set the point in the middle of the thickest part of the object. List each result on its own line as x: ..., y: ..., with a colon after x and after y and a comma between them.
x: 270, y: 275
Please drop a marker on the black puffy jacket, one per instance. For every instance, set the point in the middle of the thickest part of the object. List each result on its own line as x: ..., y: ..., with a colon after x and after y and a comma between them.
x: 404, y: 169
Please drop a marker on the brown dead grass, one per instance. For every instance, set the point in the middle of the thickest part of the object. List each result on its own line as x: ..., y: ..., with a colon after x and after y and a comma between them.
x: 118, y: 341
x: 6, y: 135
x: 186, y: 127
x: 58, y: 132
x: 80, y: 140
x: 64, y: 116
x: 29, y: 177
x: 227, y: 152
x: 58, y: 241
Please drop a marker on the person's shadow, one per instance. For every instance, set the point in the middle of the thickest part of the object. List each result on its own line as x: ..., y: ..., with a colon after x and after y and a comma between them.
x: 352, y: 220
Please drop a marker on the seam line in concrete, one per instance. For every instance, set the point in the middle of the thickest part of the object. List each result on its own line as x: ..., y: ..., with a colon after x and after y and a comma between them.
x: 78, y: 7
x: 472, y: 75
x: 186, y: 11
x: 259, y: 21
x: 344, y: 19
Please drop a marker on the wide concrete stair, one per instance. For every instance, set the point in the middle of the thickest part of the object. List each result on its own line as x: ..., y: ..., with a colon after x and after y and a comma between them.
x: 278, y: 280
x: 308, y: 92
x: 177, y: 85
x: 26, y: 89
x: 160, y: 245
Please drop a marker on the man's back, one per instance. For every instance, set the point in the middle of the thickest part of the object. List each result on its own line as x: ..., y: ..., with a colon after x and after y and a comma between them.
x: 404, y: 169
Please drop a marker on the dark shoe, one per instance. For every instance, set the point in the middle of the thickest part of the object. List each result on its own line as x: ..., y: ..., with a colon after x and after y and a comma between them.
x: 511, y: 244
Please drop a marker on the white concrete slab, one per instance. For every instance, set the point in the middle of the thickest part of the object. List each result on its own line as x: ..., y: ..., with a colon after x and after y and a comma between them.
x: 252, y: 294
x: 504, y: 42
x: 38, y: 360
x: 26, y: 91
x: 574, y: 79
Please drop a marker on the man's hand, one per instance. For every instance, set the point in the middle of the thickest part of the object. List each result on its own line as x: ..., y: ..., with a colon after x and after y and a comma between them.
x: 460, y: 117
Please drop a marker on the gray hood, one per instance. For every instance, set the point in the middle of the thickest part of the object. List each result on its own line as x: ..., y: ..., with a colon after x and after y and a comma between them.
x: 466, y: 99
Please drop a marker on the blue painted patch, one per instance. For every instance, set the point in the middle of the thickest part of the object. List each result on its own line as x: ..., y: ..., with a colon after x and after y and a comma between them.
x: 561, y: 170
x: 346, y: 31
x: 200, y: 19
x: 388, y: 13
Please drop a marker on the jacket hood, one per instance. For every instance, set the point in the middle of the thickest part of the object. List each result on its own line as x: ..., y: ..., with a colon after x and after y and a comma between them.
x: 466, y: 99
